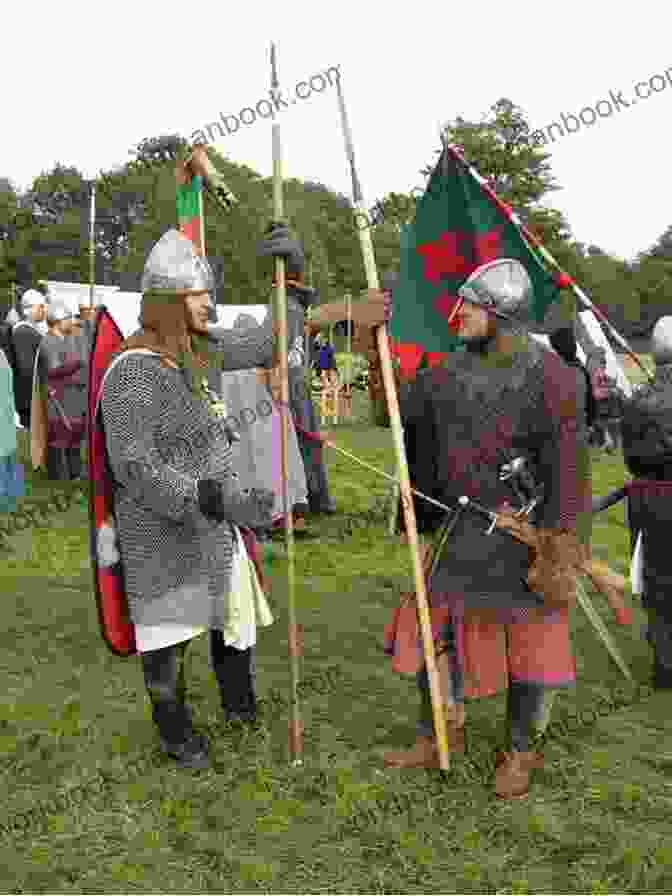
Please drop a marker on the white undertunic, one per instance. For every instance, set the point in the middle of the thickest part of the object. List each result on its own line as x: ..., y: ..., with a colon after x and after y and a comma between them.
x: 247, y: 609
x: 637, y: 567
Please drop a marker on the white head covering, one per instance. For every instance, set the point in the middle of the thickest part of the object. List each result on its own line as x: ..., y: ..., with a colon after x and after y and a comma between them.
x: 31, y: 298
x: 58, y: 311
x: 173, y: 266
x: 661, y: 341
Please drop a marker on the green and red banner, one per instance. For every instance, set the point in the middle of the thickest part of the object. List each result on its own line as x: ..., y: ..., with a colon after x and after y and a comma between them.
x: 459, y: 225
x: 189, y: 197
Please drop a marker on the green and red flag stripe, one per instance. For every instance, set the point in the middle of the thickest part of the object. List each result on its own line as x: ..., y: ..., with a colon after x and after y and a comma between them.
x: 189, y: 205
x: 459, y: 225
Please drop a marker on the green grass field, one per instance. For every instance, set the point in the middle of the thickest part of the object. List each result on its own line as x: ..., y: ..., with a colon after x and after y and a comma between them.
x: 91, y: 806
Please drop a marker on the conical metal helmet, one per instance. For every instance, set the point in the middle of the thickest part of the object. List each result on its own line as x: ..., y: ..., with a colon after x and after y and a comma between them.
x: 173, y: 266
x: 661, y: 341
x: 502, y: 287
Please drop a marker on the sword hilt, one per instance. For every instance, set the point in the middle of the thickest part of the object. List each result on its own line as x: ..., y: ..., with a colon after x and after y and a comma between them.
x: 607, y: 501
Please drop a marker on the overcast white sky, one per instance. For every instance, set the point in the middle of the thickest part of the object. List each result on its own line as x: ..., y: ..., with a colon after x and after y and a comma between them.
x: 85, y: 82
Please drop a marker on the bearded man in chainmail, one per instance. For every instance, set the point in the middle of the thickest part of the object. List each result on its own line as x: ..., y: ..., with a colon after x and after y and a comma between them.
x: 504, y: 404
x: 178, y: 505
x: 646, y: 429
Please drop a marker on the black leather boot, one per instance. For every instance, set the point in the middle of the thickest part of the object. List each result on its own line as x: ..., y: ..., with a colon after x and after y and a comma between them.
x: 177, y: 736
x: 75, y: 462
x: 235, y: 677
x: 58, y: 469
x: 164, y: 677
x: 662, y: 677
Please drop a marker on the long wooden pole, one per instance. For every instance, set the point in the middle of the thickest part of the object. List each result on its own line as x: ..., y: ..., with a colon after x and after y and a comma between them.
x: 306, y: 335
x: 394, y: 510
x: 400, y: 452
x: 92, y: 244
x: 295, y: 646
x: 349, y: 341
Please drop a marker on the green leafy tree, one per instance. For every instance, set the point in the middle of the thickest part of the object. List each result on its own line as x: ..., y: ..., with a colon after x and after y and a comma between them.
x: 502, y: 149
x: 663, y: 246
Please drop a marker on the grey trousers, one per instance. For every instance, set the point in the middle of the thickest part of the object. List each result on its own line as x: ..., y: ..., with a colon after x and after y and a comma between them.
x: 64, y: 464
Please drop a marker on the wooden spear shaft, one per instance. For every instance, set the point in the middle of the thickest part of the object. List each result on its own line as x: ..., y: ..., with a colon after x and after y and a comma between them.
x: 402, y: 464
x: 92, y: 243
x: 409, y: 510
x: 295, y: 725
x: 349, y: 340
x: 347, y: 391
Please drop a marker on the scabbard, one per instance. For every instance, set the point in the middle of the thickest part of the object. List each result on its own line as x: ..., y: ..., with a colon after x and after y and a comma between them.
x: 444, y: 534
x: 59, y: 408
x: 608, y: 500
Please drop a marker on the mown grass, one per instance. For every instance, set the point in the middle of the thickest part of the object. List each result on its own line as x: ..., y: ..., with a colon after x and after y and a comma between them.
x: 90, y: 806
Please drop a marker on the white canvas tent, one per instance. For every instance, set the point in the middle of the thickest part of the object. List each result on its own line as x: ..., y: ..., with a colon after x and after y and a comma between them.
x: 125, y: 310
x: 227, y: 314
x: 76, y: 294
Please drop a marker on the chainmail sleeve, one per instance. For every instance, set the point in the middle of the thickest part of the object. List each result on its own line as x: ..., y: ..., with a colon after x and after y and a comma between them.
x: 137, y: 395
x: 243, y: 349
x: 646, y: 428
x: 564, y: 458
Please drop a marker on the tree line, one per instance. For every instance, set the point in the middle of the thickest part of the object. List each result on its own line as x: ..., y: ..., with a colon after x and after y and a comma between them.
x: 44, y: 231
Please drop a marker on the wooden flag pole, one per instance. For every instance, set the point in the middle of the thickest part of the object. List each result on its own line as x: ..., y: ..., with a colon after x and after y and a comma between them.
x: 295, y: 647
x: 92, y: 244
x: 349, y: 343
x: 394, y: 510
x: 400, y: 451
